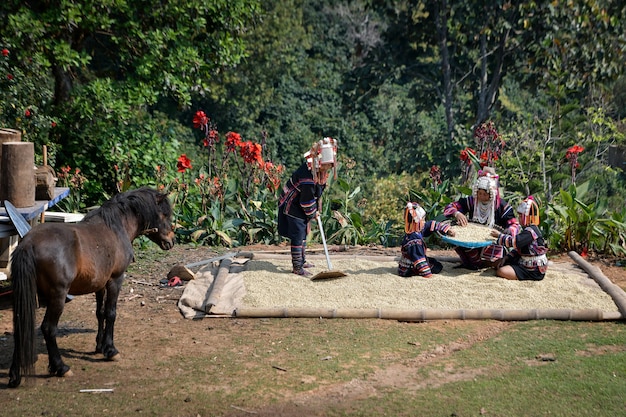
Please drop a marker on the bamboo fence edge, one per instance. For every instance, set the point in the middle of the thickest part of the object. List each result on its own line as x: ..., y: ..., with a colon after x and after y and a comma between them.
x: 428, y: 315
x: 617, y: 294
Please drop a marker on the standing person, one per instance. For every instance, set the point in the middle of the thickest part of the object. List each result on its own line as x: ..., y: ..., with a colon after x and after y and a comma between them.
x: 527, y: 260
x: 486, y: 207
x: 300, y: 199
x: 414, y: 260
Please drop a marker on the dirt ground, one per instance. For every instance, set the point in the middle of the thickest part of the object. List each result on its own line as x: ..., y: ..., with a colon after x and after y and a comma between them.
x: 144, y: 300
x: 143, y: 296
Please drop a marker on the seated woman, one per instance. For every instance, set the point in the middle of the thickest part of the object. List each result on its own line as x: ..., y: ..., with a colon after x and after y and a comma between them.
x: 414, y: 260
x: 527, y: 259
x: 486, y: 207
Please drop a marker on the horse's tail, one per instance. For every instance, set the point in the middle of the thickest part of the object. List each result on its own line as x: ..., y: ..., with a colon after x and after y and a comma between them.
x: 24, y: 306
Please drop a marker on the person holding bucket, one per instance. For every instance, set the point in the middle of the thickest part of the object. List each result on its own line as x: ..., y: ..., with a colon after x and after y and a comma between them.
x: 300, y: 198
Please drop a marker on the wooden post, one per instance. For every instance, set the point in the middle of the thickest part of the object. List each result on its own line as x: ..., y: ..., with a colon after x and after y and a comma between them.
x: 42, y: 217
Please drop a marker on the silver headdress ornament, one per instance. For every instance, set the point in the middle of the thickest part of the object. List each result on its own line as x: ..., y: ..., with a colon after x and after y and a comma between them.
x: 484, y: 213
x: 322, y: 152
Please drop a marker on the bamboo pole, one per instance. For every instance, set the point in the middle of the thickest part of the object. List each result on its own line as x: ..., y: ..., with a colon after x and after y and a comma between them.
x: 427, y: 315
x: 381, y: 258
x: 218, y: 284
x: 617, y: 294
x: 42, y: 216
x: 261, y: 255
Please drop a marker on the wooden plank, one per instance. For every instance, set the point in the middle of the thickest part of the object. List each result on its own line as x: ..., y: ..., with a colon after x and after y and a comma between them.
x: 51, y: 216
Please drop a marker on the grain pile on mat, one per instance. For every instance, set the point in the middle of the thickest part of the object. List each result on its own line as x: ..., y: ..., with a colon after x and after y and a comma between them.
x: 373, y: 284
x: 471, y: 233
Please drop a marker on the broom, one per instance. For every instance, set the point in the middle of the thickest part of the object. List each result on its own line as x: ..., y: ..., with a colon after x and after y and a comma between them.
x: 330, y: 274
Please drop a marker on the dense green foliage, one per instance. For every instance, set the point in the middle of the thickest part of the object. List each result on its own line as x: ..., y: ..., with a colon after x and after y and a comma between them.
x: 111, y: 88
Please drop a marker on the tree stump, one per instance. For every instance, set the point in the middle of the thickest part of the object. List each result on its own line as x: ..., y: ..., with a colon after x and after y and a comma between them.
x: 17, y: 178
x: 8, y: 135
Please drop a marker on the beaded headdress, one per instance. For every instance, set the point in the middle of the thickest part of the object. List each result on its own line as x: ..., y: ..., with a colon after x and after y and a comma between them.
x: 322, y: 152
x: 413, y: 216
x: 528, y: 210
x: 488, y: 181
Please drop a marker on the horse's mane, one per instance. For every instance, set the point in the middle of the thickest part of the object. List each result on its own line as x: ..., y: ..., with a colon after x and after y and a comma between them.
x: 145, y: 204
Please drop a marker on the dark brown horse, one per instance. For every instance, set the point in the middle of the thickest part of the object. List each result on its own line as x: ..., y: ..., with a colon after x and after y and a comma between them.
x: 57, y: 259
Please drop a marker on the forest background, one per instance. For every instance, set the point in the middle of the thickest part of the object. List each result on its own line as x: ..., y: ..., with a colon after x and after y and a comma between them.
x: 215, y: 102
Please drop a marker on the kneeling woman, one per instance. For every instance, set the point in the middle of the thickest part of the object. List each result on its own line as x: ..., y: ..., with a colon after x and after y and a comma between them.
x: 414, y: 261
x: 527, y: 259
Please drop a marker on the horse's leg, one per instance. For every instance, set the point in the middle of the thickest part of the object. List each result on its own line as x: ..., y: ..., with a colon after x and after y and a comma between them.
x: 49, y: 327
x: 110, y: 311
x: 100, y: 316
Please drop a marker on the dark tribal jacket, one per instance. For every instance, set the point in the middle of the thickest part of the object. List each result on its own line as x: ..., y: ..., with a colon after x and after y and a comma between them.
x: 300, y: 194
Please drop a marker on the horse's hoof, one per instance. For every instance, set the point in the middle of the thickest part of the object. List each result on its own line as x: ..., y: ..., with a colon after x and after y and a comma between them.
x: 114, y: 358
x: 61, y: 373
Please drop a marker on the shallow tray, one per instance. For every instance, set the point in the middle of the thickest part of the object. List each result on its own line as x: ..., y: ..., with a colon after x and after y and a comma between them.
x: 464, y: 244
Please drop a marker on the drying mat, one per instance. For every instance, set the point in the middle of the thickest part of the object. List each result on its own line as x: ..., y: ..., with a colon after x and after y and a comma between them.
x: 264, y: 287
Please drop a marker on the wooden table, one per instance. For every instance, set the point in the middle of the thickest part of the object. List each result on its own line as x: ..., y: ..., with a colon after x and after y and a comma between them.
x: 8, y: 235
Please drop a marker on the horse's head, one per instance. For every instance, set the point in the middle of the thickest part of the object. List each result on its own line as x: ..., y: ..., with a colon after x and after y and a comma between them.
x: 160, y: 229
x: 161, y: 236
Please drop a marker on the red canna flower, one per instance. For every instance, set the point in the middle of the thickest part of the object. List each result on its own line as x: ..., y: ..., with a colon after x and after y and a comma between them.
x: 184, y: 163
x: 273, y: 173
x: 10, y: 76
x: 490, y: 143
x: 572, y: 156
x: 465, y: 155
x: 216, y: 188
x: 200, y: 119
x: 576, y: 149
x: 53, y: 124
x: 233, y: 141
x: 199, y: 180
x: 211, y: 138
x: 435, y: 175
x: 251, y: 152
x: 5, y: 52
x: 27, y: 113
